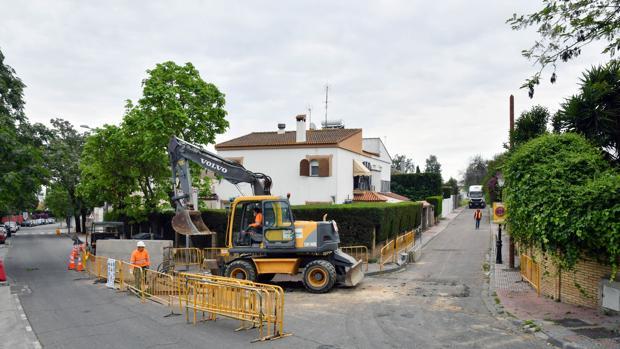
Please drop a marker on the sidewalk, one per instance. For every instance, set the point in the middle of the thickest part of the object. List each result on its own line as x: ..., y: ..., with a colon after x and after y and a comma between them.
x: 14, y: 326
x: 563, y: 325
x: 427, y: 236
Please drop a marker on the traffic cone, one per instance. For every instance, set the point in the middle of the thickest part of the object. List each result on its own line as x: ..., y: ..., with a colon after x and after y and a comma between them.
x: 80, y: 267
x: 2, y: 273
x: 72, y: 259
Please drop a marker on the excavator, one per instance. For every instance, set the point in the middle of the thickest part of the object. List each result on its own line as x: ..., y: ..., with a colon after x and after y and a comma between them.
x: 281, y: 245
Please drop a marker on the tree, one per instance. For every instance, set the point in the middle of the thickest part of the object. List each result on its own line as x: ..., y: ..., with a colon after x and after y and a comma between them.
x: 432, y: 165
x: 62, y: 156
x: 402, y: 164
x: 20, y: 154
x: 565, y: 27
x: 453, y: 185
x: 595, y: 111
x: 475, y: 172
x: 57, y: 202
x: 531, y: 124
x: 417, y: 169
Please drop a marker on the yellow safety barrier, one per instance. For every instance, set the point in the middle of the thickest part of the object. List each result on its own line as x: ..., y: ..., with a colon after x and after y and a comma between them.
x: 96, y: 266
x: 187, y: 256
x: 213, y: 252
x: 360, y: 253
x: 259, y: 305
x: 389, y: 252
x: 530, y: 272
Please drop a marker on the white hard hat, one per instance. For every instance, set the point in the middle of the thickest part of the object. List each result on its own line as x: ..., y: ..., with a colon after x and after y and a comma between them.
x: 141, y: 244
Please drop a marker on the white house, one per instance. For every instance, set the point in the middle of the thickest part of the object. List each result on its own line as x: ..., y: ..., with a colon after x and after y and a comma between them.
x: 314, y: 166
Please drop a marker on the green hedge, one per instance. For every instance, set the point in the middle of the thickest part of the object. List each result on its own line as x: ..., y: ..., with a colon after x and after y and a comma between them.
x: 436, y: 201
x: 417, y: 186
x: 357, y: 221
x: 447, y: 192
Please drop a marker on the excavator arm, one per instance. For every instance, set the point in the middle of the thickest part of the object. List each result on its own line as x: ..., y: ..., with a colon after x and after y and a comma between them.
x: 188, y: 221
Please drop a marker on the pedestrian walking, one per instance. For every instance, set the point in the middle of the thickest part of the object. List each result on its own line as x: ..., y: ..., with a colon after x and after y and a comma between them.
x: 140, y: 258
x: 478, y: 217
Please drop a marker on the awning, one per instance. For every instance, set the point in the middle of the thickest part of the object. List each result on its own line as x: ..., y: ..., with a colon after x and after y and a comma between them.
x: 360, y: 169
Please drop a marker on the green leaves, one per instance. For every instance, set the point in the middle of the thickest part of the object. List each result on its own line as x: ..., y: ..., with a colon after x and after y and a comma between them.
x: 564, y: 198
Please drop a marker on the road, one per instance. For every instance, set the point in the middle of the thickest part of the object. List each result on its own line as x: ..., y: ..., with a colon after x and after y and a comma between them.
x: 435, y: 303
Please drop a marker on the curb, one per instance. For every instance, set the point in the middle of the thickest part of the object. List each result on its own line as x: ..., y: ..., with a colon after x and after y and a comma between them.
x: 386, y: 271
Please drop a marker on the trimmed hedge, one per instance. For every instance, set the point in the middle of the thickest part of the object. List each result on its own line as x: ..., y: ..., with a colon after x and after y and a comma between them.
x: 417, y: 186
x: 437, y: 202
x: 356, y: 222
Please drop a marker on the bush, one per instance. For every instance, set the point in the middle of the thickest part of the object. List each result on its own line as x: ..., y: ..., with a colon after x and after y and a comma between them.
x: 417, y: 186
x: 356, y: 222
x: 447, y: 192
x: 563, y: 197
x: 437, y: 202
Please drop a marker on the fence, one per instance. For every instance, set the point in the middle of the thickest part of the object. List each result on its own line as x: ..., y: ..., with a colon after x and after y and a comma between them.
x: 530, y: 272
x: 389, y: 252
x: 360, y: 253
x: 255, y: 305
x: 187, y: 256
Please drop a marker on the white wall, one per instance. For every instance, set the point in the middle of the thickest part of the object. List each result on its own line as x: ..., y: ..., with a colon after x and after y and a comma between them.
x: 447, y: 206
x: 282, y: 164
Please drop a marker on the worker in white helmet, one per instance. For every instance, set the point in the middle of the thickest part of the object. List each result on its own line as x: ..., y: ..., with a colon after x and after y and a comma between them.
x: 139, y: 258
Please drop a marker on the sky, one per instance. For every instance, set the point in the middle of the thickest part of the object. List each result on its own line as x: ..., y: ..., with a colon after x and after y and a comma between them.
x: 427, y: 77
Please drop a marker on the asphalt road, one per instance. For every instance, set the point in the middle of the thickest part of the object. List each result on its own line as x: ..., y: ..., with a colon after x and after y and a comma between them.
x: 436, y: 303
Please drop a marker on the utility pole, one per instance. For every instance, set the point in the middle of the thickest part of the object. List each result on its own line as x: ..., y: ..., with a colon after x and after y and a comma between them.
x: 511, y: 244
x: 309, y: 115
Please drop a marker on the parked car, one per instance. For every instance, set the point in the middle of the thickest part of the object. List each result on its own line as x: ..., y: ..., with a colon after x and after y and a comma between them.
x: 3, y: 235
x: 12, y: 226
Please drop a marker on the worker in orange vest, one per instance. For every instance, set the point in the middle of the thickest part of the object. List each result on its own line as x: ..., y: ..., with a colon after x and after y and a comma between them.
x: 478, y: 217
x: 140, y: 257
x: 254, y: 229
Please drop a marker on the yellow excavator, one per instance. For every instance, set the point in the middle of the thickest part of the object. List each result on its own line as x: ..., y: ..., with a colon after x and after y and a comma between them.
x: 278, y: 245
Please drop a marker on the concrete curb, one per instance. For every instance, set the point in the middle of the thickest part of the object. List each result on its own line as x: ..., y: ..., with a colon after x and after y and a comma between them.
x: 386, y: 271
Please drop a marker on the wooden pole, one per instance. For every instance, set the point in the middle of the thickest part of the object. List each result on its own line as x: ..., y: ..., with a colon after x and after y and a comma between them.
x: 511, y: 244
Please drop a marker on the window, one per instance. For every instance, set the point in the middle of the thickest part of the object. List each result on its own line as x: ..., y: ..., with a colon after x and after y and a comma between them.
x: 314, y: 168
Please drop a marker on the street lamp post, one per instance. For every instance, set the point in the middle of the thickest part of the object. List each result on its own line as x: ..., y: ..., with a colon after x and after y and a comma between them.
x: 498, y: 240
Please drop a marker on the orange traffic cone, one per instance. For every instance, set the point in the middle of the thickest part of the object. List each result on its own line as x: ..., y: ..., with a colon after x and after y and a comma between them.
x: 72, y: 258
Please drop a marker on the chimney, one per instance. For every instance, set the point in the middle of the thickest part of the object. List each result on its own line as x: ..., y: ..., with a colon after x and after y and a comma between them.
x: 301, y: 128
x: 281, y: 128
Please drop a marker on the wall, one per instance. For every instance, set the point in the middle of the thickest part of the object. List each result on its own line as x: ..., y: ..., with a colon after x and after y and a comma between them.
x: 579, y: 286
x: 447, y: 206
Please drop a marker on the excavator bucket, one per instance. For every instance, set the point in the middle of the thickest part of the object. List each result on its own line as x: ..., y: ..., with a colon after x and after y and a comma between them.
x: 354, y: 275
x: 189, y: 222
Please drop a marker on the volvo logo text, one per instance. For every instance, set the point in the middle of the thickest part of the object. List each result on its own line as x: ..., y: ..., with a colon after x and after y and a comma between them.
x: 213, y: 166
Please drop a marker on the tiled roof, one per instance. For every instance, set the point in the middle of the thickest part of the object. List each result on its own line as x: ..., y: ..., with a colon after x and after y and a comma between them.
x: 266, y: 139
x: 396, y: 196
x: 368, y: 196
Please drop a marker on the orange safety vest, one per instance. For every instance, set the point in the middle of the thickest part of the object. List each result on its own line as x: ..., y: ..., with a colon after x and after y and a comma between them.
x: 478, y: 215
x: 258, y: 220
x: 141, y: 259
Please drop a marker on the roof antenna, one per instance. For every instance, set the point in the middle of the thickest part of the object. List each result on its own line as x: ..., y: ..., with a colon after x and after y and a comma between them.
x: 326, y: 101
x: 310, y: 115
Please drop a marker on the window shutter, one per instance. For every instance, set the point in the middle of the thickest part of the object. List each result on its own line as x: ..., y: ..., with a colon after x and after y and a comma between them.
x: 304, y: 167
x: 324, y: 168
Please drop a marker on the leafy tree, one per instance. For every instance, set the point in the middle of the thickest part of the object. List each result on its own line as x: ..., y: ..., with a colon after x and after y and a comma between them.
x: 494, y: 167
x: 432, y: 165
x: 563, y: 198
x: 529, y: 125
x: 402, y: 164
x: 565, y: 27
x: 20, y: 153
x: 57, y: 201
x: 417, y: 169
x: 595, y: 111
x: 475, y: 172
x: 62, y: 158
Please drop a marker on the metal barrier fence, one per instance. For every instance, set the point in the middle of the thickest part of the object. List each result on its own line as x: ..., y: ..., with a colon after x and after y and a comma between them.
x: 213, y: 252
x: 389, y: 252
x: 256, y: 305
x: 187, y: 256
x: 360, y: 253
x: 530, y: 272
x: 259, y: 305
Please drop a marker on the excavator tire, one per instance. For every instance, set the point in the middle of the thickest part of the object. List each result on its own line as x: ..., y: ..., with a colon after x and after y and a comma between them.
x: 241, y: 269
x: 319, y: 276
x: 264, y: 278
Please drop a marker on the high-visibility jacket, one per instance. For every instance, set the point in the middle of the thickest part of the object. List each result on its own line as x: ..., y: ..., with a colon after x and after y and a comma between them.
x: 258, y: 221
x: 478, y: 215
x: 141, y: 259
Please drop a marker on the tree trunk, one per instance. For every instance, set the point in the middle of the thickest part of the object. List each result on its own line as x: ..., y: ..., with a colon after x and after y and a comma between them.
x: 78, y: 227
x: 83, y: 212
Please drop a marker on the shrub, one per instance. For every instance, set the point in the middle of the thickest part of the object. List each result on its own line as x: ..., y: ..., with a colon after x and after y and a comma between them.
x: 446, y: 191
x: 417, y: 186
x: 437, y: 202
x: 563, y: 197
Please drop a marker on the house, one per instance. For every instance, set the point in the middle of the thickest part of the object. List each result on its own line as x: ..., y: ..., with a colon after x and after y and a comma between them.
x: 312, y: 165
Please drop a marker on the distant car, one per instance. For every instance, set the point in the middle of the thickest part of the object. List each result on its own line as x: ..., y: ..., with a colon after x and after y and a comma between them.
x: 12, y: 226
x: 3, y: 235
x: 51, y: 220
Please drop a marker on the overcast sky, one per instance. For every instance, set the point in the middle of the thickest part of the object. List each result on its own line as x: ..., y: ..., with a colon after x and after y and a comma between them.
x: 428, y: 77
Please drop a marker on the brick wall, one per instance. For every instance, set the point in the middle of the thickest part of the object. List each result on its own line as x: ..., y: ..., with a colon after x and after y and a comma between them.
x: 579, y: 286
